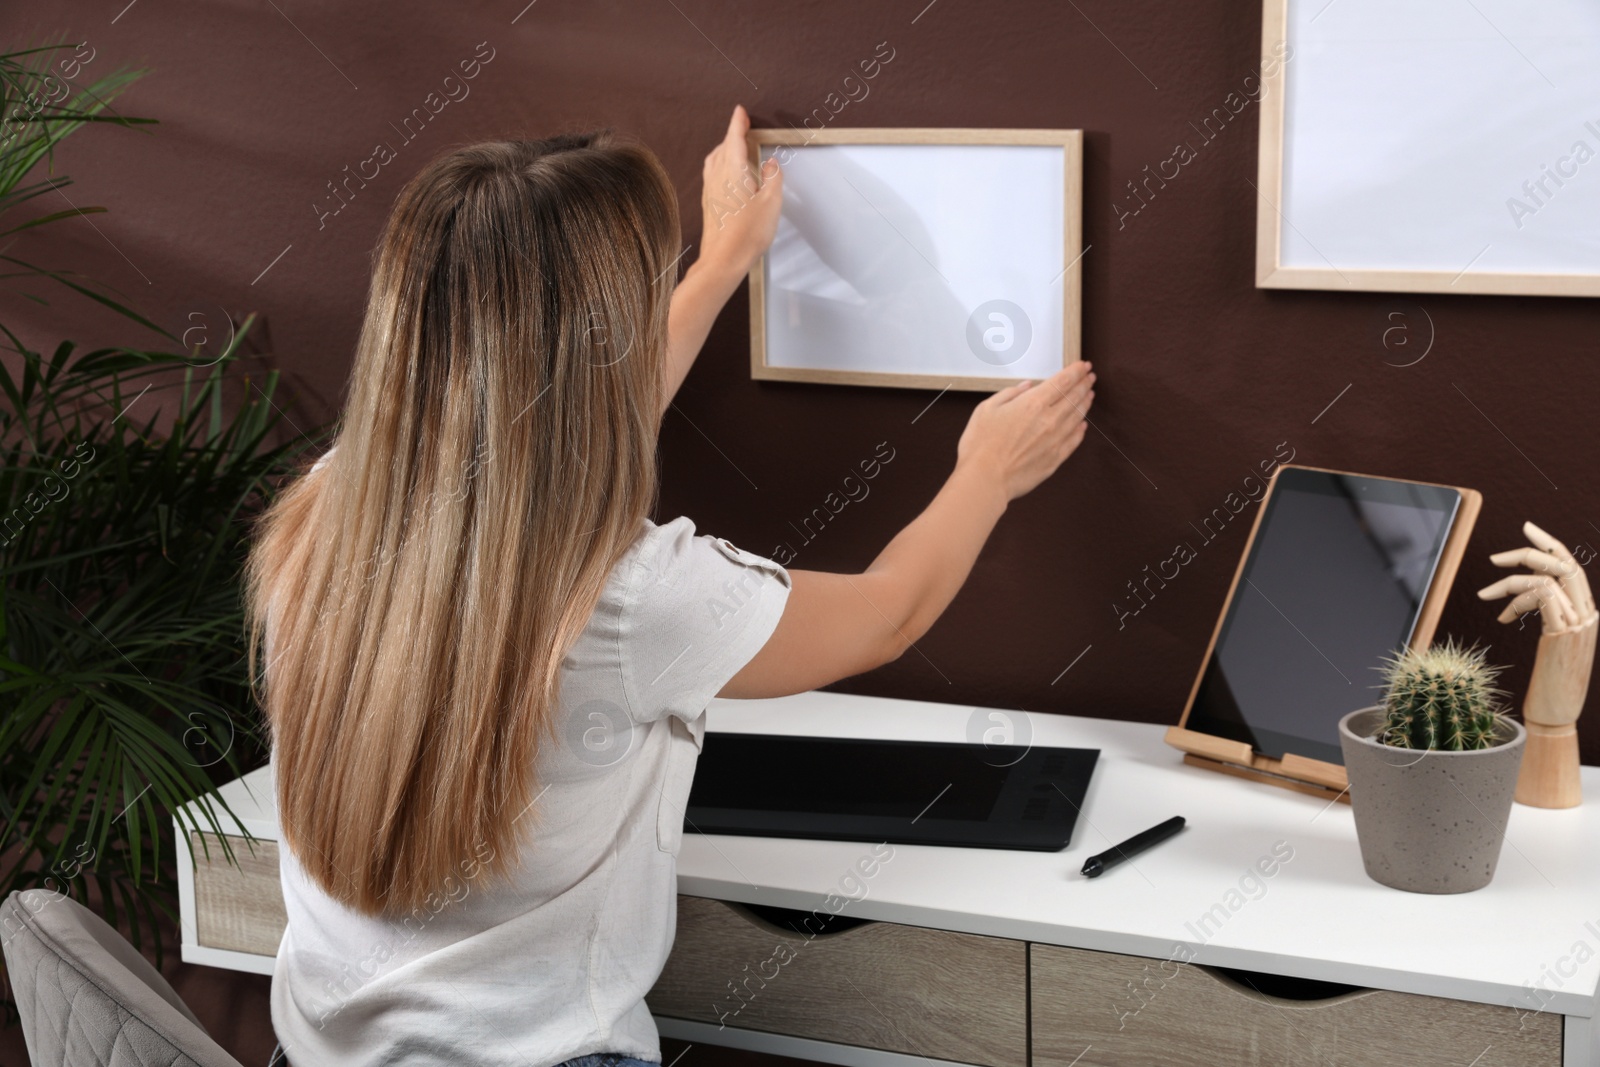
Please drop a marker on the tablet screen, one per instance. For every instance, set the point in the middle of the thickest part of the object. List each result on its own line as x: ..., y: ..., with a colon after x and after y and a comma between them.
x: 1334, y: 581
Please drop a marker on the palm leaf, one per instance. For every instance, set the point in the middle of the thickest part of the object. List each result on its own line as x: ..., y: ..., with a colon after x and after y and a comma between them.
x: 128, y: 483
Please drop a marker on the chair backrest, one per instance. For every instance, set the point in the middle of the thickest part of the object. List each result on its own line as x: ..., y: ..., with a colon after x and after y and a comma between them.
x: 88, y: 998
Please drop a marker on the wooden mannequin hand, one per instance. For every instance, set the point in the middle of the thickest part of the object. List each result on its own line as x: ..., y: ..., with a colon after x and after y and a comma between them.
x: 1559, y: 591
x: 1558, y: 588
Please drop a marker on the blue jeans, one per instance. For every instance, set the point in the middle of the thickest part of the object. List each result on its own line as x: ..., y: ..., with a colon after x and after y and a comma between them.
x: 608, y: 1059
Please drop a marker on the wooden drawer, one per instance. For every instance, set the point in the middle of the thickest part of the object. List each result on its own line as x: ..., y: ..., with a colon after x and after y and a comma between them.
x: 905, y: 989
x: 1096, y: 1009
x: 238, y: 907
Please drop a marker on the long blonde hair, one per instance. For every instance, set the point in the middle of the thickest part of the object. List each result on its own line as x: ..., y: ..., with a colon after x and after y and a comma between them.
x: 419, y: 590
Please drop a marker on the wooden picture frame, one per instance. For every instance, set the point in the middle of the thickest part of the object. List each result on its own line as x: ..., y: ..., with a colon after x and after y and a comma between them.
x: 788, y: 144
x: 1486, y: 226
x: 1294, y: 771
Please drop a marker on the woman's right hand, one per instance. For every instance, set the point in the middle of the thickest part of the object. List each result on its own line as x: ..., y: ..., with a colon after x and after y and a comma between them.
x: 837, y: 625
x: 1020, y: 435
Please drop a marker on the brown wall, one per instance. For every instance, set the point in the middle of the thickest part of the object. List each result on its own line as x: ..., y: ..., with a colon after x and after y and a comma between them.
x: 1201, y: 374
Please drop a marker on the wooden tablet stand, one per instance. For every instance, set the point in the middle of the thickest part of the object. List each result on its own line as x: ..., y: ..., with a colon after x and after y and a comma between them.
x: 1304, y: 775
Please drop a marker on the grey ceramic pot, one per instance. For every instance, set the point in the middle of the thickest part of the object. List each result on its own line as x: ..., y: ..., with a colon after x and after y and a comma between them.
x: 1429, y: 821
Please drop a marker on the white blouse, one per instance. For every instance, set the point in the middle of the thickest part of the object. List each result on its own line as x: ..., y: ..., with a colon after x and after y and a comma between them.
x: 556, y: 963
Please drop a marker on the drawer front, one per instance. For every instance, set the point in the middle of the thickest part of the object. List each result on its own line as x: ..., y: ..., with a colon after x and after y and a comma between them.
x: 900, y: 988
x: 238, y: 907
x: 1095, y: 1009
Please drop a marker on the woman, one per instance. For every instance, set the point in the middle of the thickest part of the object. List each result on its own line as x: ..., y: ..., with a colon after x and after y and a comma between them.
x: 485, y: 668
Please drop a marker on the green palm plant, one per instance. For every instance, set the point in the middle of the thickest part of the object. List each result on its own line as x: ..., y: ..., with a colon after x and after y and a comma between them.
x: 38, y: 110
x: 128, y: 478
x: 123, y: 678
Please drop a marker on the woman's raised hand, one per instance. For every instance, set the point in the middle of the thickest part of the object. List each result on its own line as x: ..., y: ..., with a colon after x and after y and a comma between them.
x: 836, y: 625
x: 1020, y: 435
x: 741, y: 207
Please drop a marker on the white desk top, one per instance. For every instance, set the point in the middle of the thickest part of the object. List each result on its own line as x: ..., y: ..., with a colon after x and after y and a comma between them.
x: 1320, y: 917
x: 252, y: 799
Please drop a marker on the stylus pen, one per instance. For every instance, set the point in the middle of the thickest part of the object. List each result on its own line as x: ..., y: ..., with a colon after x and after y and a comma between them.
x: 1098, y: 865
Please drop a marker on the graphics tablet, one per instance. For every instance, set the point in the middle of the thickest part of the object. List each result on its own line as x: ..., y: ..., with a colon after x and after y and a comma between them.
x: 1340, y: 571
x: 904, y: 792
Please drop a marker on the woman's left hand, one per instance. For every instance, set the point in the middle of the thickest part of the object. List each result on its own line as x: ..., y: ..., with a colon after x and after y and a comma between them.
x: 741, y: 215
x: 740, y: 207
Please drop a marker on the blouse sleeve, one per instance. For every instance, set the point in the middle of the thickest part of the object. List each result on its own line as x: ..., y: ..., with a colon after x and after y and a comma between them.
x: 697, y: 609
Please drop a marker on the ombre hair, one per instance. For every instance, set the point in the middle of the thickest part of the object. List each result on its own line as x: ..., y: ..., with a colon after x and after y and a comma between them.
x: 418, y: 590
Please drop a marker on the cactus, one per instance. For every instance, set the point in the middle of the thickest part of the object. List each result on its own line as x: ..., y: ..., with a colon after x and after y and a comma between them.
x: 1441, y: 698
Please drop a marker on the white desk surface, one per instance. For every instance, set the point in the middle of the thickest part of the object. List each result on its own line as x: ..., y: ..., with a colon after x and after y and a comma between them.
x: 253, y: 801
x: 1320, y: 916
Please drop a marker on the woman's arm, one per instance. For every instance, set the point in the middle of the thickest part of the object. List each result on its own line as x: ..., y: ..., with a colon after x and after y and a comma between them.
x: 837, y: 625
x: 740, y: 216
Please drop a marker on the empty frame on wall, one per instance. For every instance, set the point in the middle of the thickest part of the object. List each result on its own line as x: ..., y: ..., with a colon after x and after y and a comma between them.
x: 919, y: 258
x: 1430, y: 146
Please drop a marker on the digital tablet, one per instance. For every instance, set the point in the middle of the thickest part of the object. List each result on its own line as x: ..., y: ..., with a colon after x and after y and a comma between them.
x: 1340, y: 571
x: 903, y: 792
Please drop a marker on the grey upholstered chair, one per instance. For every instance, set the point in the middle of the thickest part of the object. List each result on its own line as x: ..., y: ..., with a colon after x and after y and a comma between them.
x: 88, y: 998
